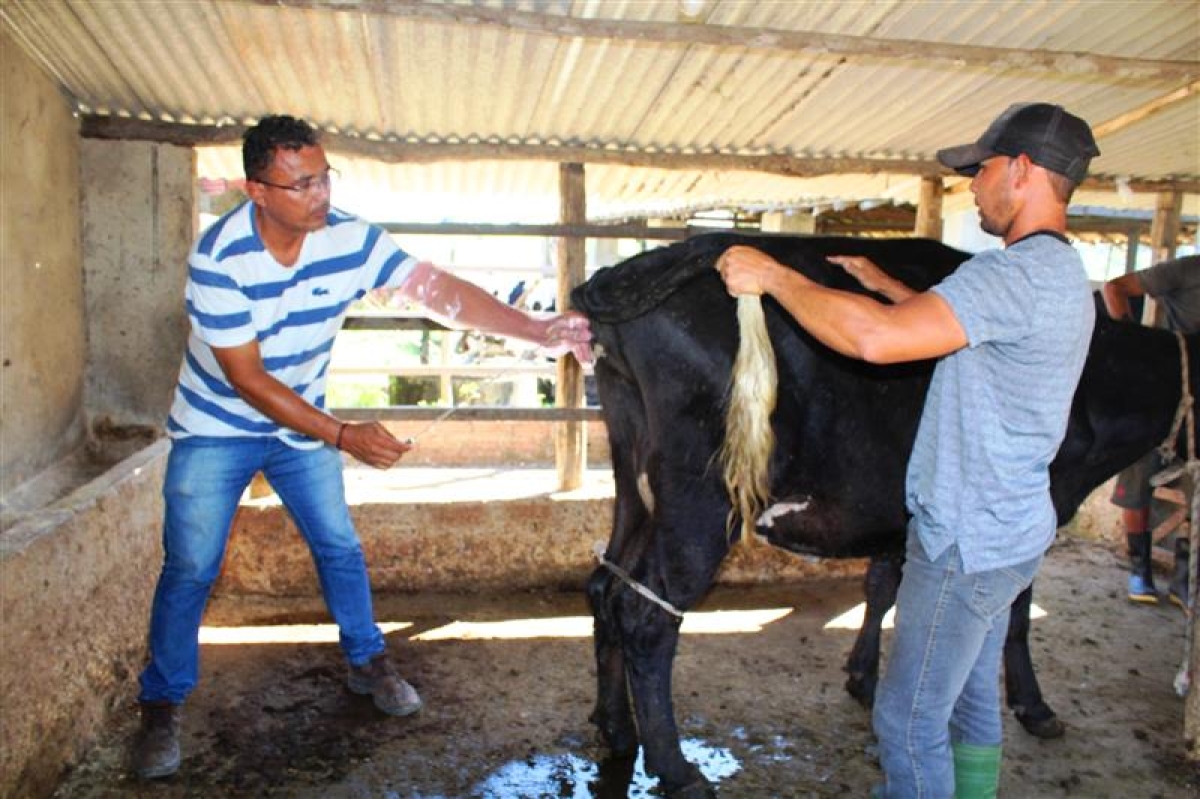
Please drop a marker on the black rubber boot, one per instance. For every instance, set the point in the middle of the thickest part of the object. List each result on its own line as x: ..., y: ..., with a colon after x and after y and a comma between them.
x: 1178, y: 592
x: 1141, y: 568
x: 156, y: 754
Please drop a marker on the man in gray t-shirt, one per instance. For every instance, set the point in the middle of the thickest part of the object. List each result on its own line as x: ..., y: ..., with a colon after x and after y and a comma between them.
x: 1175, y: 285
x: 1011, y: 330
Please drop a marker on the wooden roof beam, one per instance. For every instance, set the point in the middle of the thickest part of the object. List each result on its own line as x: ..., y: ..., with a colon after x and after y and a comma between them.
x: 401, y: 152
x: 1146, y: 110
x: 404, y: 152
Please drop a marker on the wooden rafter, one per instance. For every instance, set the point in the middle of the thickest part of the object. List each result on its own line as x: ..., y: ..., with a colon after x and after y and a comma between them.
x: 1146, y: 110
x: 396, y: 152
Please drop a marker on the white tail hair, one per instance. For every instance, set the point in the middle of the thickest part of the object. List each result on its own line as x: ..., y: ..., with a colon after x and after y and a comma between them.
x: 746, y: 452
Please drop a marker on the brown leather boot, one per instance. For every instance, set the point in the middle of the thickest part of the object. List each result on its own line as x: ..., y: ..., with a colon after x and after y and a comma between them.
x: 156, y: 753
x: 378, y: 677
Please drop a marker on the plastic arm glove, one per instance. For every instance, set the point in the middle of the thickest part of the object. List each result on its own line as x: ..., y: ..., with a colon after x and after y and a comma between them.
x: 569, y: 332
x: 461, y: 303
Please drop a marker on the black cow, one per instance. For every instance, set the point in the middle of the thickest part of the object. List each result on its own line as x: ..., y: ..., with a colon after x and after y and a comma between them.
x: 666, y: 338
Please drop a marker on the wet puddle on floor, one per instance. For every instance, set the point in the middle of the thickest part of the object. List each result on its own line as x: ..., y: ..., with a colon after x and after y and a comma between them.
x: 573, y: 777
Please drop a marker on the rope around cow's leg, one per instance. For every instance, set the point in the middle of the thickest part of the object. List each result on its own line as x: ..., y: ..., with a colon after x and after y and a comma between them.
x: 624, y: 576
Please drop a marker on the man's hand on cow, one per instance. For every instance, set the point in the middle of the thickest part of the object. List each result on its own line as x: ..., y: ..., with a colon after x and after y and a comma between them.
x: 746, y: 270
x: 871, y: 277
x: 861, y: 269
x: 371, y: 443
x: 569, y: 332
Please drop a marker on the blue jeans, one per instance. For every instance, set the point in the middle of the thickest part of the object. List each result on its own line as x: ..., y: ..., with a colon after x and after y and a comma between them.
x: 942, y: 682
x: 203, y: 485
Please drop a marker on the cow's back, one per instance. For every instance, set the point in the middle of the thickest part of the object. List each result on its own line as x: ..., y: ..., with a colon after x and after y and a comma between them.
x: 643, y: 282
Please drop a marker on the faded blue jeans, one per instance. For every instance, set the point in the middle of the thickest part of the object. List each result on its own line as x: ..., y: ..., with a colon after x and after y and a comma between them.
x: 203, y: 485
x: 942, y: 681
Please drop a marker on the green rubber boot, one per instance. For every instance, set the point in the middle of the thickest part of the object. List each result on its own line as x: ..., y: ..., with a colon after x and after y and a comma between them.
x: 976, y: 771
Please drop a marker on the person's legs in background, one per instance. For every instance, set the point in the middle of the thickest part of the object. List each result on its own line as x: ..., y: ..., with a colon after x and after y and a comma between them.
x: 1133, y: 494
x: 1140, y: 547
x: 1180, y: 582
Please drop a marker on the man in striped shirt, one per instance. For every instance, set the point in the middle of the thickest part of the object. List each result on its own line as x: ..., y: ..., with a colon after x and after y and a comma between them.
x: 268, y: 287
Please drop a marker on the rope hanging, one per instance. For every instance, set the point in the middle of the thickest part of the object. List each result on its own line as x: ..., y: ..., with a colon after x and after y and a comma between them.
x: 1167, y: 451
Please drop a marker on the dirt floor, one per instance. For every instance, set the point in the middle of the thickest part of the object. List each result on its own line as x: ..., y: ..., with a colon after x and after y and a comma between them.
x: 762, y: 709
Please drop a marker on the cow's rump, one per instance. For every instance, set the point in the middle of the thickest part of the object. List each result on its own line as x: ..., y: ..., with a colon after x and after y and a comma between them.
x: 667, y: 336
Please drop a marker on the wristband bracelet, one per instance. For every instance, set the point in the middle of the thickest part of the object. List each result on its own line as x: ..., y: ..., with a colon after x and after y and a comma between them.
x: 337, y: 442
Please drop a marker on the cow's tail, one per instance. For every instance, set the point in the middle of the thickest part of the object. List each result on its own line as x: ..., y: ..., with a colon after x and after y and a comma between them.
x: 749, y: 439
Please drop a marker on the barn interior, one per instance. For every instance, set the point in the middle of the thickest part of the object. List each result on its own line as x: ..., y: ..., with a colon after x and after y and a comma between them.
x: 592, y: 129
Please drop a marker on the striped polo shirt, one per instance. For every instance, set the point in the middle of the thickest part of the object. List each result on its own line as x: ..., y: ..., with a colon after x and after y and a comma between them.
x: 237, y: 292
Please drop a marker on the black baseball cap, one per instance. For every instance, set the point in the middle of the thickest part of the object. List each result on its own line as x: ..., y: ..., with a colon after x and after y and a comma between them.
x: 1048, y: 134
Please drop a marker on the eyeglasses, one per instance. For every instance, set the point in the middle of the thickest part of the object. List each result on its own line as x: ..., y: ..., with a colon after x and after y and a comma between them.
x: 306, y: 186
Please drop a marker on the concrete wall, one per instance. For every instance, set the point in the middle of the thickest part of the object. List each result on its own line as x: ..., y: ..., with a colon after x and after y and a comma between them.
x: 470, y: 546
x: 75, y: 586
x: 42, y: 345
x: 100, y: 339
x: 449, y: 540
x: 139, y: 218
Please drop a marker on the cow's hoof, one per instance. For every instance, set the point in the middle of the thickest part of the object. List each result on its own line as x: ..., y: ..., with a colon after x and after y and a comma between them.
x: 614, y: 776
x: 862, y: 690
x: 699, y: 788
x: 621, y: 739
x: 1045, y: 727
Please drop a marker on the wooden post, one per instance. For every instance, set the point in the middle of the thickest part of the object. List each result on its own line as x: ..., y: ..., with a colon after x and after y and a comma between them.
x: 929, y: 209
x: 1164, y: 231
x: 570, y: 444
x: 446, y: 381
x: 1191, y: 657
x: 1131, y: 249
x: 779, y: 222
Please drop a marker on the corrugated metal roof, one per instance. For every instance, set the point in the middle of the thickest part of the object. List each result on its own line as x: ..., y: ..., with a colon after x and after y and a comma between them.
x: 506, y: 72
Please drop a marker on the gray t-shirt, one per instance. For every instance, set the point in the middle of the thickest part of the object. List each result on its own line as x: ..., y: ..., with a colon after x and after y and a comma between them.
x: 997, y: 409
x: 1176, y: 285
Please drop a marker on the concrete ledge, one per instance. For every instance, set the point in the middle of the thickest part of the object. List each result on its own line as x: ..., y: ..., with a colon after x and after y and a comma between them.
x: 75, y: 585
x: 483, y: 528
x: 444, y: 529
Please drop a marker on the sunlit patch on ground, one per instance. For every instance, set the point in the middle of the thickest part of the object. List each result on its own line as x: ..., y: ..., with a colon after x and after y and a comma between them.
x: 283, y: 633
x: 853, y: 618
x: 720, y: 622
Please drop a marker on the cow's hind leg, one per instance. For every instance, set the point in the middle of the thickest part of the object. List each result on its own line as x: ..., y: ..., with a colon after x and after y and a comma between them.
x: 1020, y: 682
x: 651, y: 639
x: 612, y: 713
x: 880, y: 584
